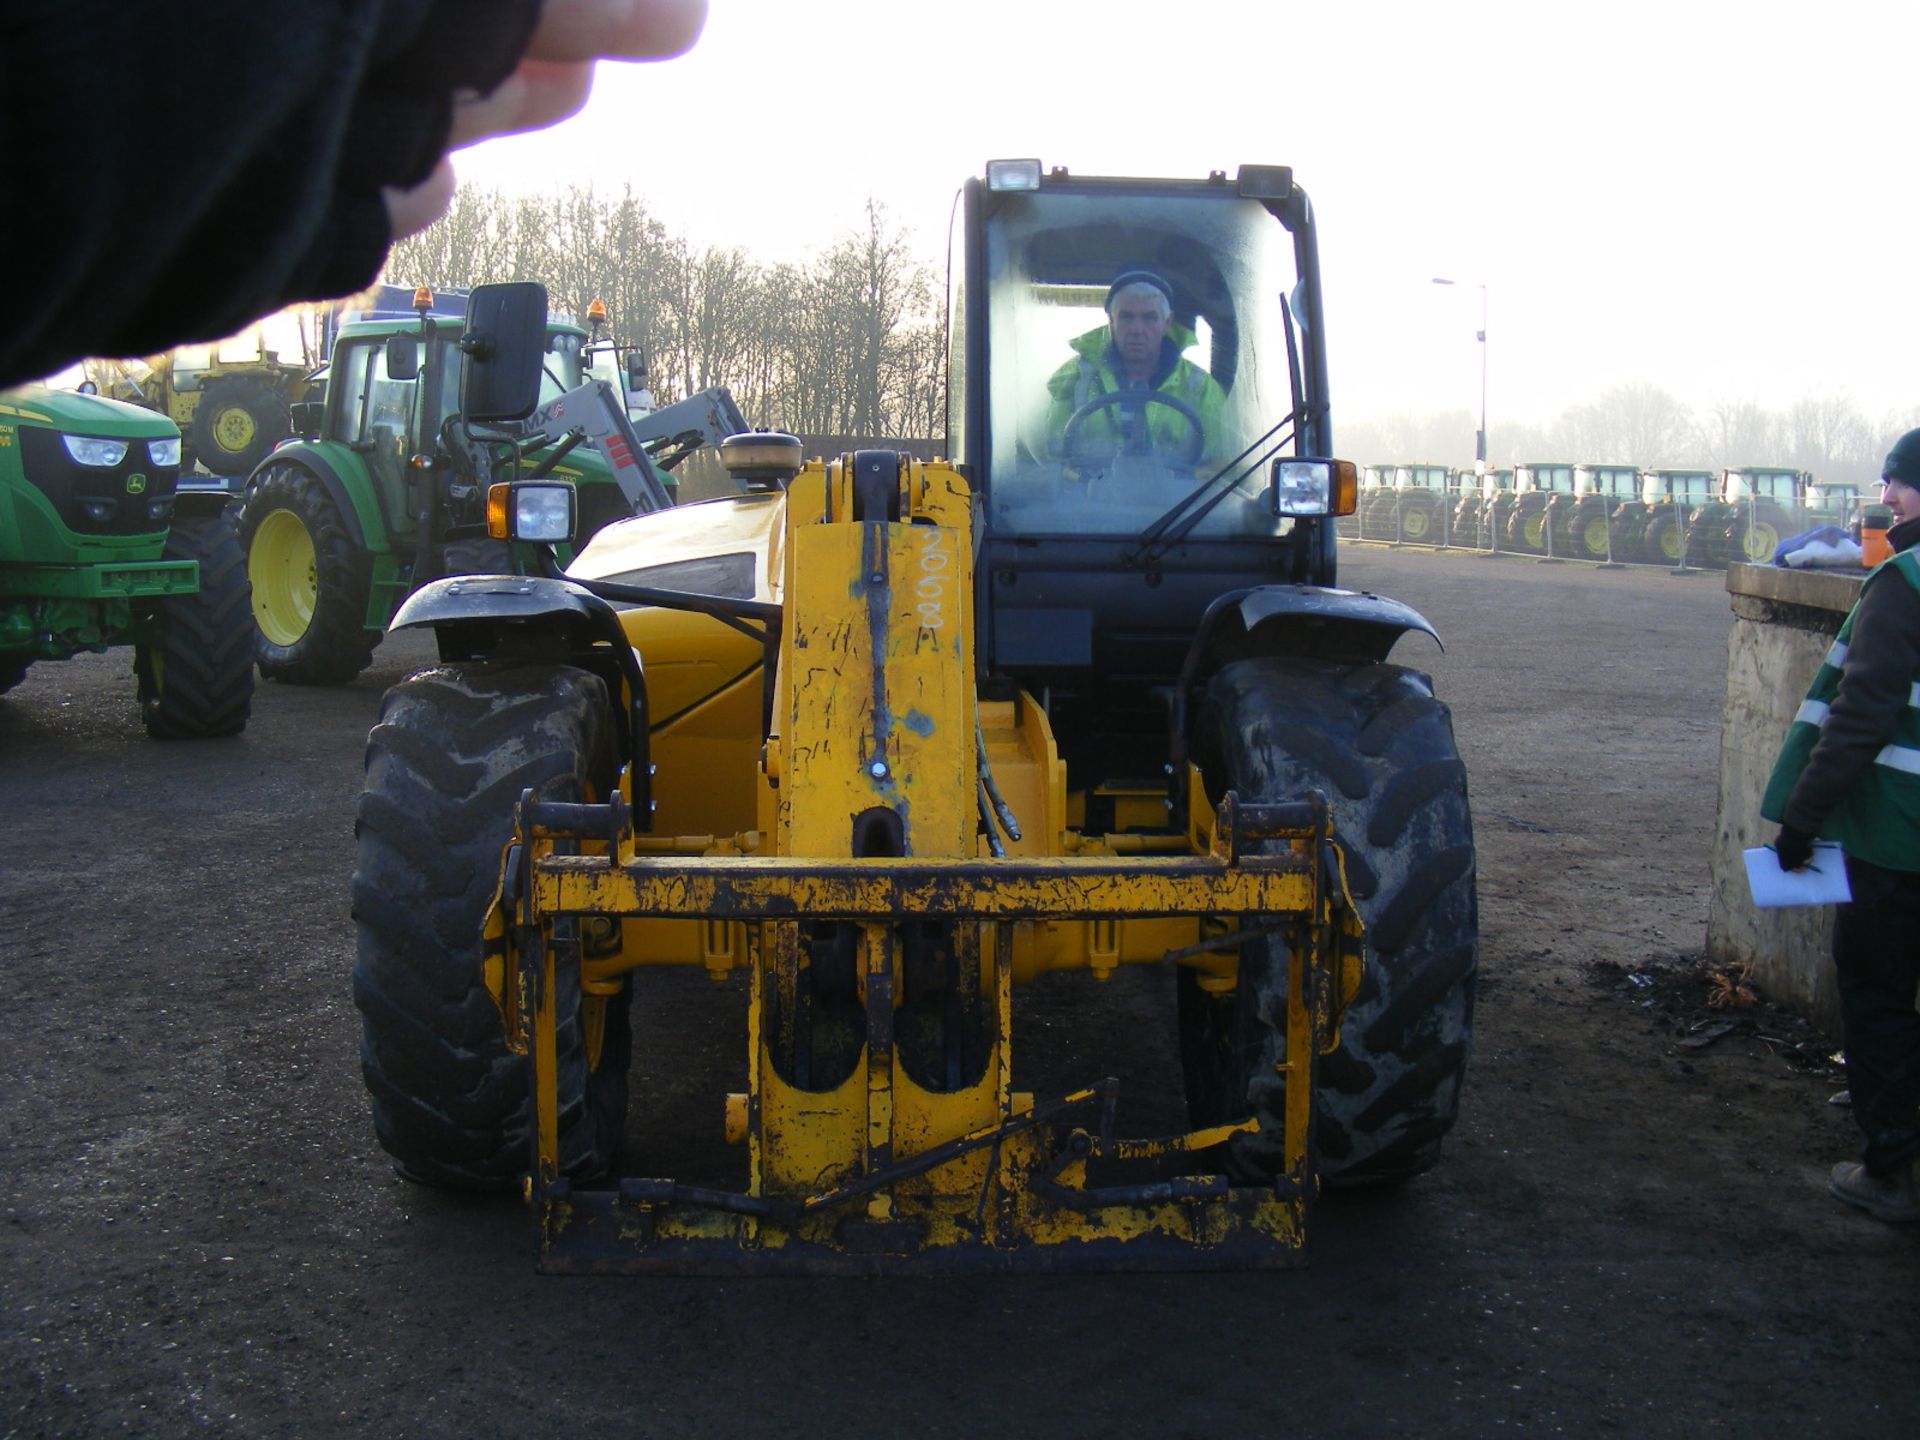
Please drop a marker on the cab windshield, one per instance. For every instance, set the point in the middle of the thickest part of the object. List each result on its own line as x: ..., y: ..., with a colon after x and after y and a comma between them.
x: 1082, y: 442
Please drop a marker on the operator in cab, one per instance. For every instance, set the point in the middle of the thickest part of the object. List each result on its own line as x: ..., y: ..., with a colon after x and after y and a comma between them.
x: 1129, y: 390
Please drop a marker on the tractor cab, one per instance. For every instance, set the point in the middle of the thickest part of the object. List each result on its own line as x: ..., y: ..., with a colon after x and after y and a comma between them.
x: 1119, y: 507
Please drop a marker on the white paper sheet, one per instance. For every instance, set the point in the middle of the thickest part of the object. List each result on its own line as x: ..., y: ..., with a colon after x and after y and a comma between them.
x: 1821, y: 881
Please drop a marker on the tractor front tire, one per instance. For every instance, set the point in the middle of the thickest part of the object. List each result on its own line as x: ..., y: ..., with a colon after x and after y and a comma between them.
x: 238, y: 421
x: 13, y: 669
x: 311, y: 582
x: 1376, y: 741
x: 454, y: 747
x: 195, y: 672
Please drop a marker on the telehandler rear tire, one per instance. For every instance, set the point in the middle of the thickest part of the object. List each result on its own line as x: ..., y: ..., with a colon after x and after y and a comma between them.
x: 311, y: 582
x: 13, y: 669
x: 1379, y: 745
x: 454, y: 747
x: 196, y: 672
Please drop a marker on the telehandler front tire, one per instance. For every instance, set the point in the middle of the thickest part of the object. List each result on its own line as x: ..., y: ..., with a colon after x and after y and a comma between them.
x: 1379, y: 745
x: 196, y: 671
x: 311, y: 582
x: 454, y: 747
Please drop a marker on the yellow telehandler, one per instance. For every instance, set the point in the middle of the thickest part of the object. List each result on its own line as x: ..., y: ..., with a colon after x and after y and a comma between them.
x: 881, y: 741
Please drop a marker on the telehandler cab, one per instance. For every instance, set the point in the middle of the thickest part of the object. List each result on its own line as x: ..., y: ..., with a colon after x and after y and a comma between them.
x: 881, y: 740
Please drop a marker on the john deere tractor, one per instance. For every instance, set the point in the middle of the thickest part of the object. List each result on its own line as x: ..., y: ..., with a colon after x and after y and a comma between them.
x: 385, y: 488
x: 98, y: 550
x: 880, y: 741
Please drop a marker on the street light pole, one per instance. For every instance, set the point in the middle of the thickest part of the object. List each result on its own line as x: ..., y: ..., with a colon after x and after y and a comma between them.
x: 1480, y: 436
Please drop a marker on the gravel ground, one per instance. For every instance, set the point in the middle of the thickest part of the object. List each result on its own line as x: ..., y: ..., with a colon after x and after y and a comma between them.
x: 1629, y: 1234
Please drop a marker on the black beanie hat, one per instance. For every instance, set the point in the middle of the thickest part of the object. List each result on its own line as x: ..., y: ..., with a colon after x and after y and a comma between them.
x: 1903, y: 461
x: 1152, y: 277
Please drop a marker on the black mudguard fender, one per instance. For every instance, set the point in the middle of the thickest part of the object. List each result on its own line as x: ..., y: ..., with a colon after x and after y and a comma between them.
x: 486, y: 617
x: 1310, y: 621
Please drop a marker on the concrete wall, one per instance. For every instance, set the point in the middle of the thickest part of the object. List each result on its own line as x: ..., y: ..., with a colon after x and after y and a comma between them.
x: 1784, y: 622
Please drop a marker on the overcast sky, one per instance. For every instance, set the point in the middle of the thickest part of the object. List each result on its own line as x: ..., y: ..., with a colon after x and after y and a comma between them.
x: 1718, y: 198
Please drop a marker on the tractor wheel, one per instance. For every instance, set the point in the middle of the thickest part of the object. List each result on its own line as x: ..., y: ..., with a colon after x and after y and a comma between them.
x: 13, y: 669
x: 1375, y: 740
x: 483, y: 556
x: 1527, y: 531
x: 310, y: 582
x: 1417, y: 523
x: 454, y: 747
x: 239, y: 419
x: 1592, y: 535
x: 1755, y: 538
x: 600, y: 505
x: 196, y: 669
x: 1664, y: 541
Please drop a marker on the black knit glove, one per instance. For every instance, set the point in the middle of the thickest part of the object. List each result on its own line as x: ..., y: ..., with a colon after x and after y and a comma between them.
x: 1794, y: 847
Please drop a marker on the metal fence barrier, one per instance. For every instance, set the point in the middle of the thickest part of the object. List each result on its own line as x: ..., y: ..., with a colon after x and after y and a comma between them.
x: 1676, y: 534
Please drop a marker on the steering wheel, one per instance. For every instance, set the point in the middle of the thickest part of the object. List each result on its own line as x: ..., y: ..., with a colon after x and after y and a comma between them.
x: 1071, y: 435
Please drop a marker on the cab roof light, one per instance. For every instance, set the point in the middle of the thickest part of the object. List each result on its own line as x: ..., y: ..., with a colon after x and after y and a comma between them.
x: 1265, y: 182
x: 422, y: 299
x: 1013, y: 175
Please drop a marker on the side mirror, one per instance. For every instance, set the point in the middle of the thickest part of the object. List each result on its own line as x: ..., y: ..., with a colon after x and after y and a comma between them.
x: 403, y: 357
x: 636, y: 370
x: 306, y: 416
x: 505, y: 346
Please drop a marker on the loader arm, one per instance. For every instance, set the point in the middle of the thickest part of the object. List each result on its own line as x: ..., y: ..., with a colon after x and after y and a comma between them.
x: 882, y: 933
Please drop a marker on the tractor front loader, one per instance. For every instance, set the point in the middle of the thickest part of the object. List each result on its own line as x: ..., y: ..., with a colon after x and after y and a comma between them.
x: 884, y: 742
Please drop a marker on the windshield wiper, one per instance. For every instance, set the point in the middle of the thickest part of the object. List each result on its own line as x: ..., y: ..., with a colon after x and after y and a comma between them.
x: 1193, y: 507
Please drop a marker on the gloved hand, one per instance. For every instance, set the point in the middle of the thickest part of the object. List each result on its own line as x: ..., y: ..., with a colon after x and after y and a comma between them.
x: 1794, y: 847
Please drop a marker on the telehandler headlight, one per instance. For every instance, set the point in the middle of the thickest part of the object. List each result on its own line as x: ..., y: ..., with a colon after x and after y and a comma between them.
x: 1315, y: 487
x: 164, y: 452
x: 87, y: 450
x: 540, y: 511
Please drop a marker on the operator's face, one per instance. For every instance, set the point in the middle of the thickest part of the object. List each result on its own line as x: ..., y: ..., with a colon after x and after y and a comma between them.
x: 1901, y: 498
x: 1138, y: 323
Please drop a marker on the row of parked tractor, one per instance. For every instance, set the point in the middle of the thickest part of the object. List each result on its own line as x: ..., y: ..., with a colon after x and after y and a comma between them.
x: 1606, y: 513
x: 227, y: 515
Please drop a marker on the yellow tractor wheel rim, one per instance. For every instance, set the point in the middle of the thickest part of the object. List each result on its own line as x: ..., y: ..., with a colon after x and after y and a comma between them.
x: 233, y: 429
x: 285, y: 578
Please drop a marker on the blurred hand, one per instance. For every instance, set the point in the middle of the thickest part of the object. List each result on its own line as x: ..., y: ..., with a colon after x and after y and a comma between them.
x: 552, y: 82
x: 1794, y: 847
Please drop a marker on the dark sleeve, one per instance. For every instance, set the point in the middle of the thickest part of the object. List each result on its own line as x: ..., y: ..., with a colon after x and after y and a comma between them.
x: 190, y: 168
x: 1881, y: 668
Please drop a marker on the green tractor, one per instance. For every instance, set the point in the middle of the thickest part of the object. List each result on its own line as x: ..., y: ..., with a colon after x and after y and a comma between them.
x: 1373, y: 520
x: 1670, y: 503
x: 98, y: 550
x: 1486, y: 503
x: 1531, y: 520
x: 386, y: 487
x: 1833, y: 502
x: 1596, y: 517
x: 1421, y: 496
x: 1764, y: 505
